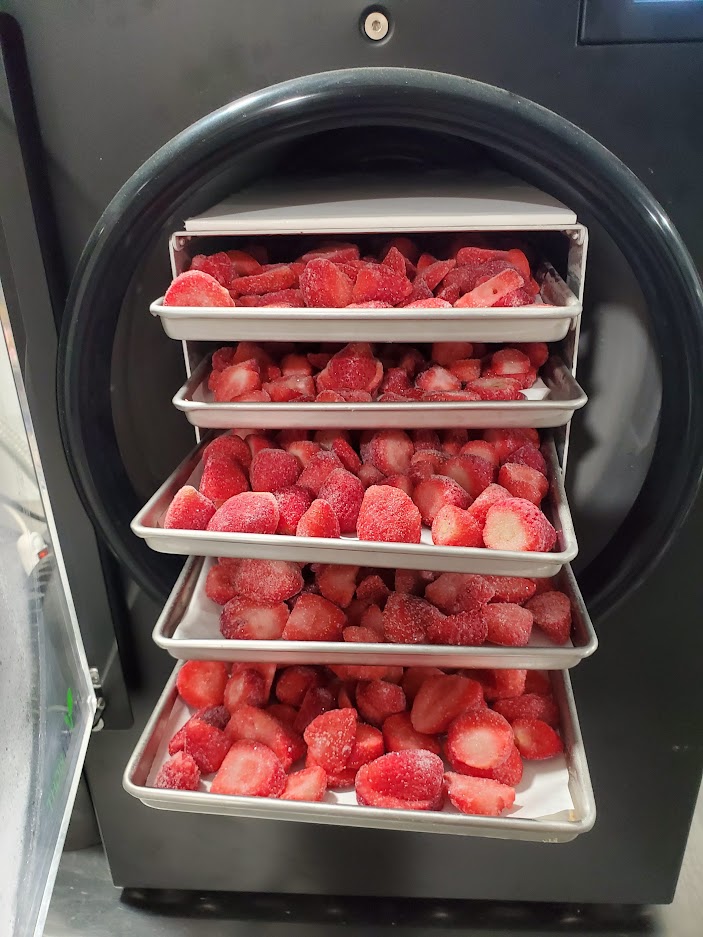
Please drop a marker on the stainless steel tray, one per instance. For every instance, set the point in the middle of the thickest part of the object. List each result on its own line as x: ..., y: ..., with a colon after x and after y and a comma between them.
x: 551, y: 402
x: 341, y: 809
x: 351, y: 550
x: 188, y: 628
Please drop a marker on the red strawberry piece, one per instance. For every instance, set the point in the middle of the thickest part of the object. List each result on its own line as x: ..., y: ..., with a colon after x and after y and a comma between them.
x: 217, y: 716
x: 316, y: 472
x: 179, y: 773
x: 478, y: 796
x: 206, y: 745
x: 378, y: 283
x: 521, y: 297
x: 433, y: 274
x: 465, y: 629
x: 238, y: 379
x: 329, y: 396
x: 308, y: 784
x: 378, y: 699
x: 252, y: 512
x: 318, y: 521
x: 399, y: 735
x: 396, y: 381
x: 517, y: 524
x: 480, y: 449
x: 324, y: 285
x: 222, y: 358
x: 496, y: 388
x: 276, y: 277
x: 273, y: 469
x: 217, y: 265
x: 369, y: 475
x: 493, y: 494
x: 538, y: 681
x: 229, y: 563
x: 508, y: 772
x: 344, y: 493
x: 257, y: 725
x: 453, y: 440
x: 245, y: 686
x: 447, y: 353
x: 395, y: 260
x: 327, y: 437
x: 414, y: 677
x: 427, y: 462
x: 374, y: 589
x: 194, y: 288
x: 388, y: 515
x: 441, y: 699
x: 412, y: 581
x: 294, y: 682
x: 341, y: 252
x: 244, y: 619
x: 404, y: 482
x: 491, y: 290
x: 522, y: 481
x: 501, y: 684
x: 425, y: 439
x: 508, y: 625
x: 471, y: 255
x: 473, y: 473
x: 509, y: 362
x: 246, y: 351
x: 351, y: 673
x: 372, y: 620
x: 346, y: 455
x: 436, y: 491
x: 406, y: 618
x: 317, y: 700
x: 189, y: 510
x: 337, y: 583
x: 537, y: 352
x: 351, y: 372
x: 411, y: 361
x: 424, y: 261
x: 243, y: 263
x: 466, y: 370
x: 450, y: 395
x: 250, y: 769
x: 506, y: 441
x: 292, y: 503
x: 406, y: 246
x: 314, y: 618
x: 528, y: 455
x: 511, y: 588
x: 357, y: 634
x: 222, y: 478
x: 284, y: 713
x: 389, y: 450
x: 437, y: 379
x: 292, y: 387
x: 218, y: 585
x: 267, y: 581
x: 480, y: 739
x: 445, y: 590
x: 295, y: 364
x: 529, y: 706
x: 286, y: 297
x: 552, y: 613
x: 535, y: 740
x: 230, y: 445
x: 259, y: 441
x: 432, y: 302
x: 330, y: 738
x: 368, y: 745
x: 454, y: 527
x: 202, y: 683
x: 304, y: 450
x: 475, y: 592
x: 405, y: 780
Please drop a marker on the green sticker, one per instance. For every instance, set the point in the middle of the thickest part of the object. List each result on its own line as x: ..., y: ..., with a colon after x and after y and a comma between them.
x: 68, y: 716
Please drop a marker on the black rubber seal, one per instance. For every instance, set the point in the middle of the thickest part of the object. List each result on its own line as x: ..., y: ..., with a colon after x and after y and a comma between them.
x: 554, y: 153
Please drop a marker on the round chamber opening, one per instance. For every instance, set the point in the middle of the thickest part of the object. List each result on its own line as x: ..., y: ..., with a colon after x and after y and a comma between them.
x: 398, y: 121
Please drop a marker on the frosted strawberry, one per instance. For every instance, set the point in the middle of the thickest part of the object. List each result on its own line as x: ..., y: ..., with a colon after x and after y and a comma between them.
x: 179, y: 773
x: 373, y: 589
x: 491, y: 495
x: 368, y: 745
x: 425, y: 439
x: 528, y: 455
x: 369, y: 475
x: 441, y: 699
x: 491, y: 290
x: 317, y: 700
x: 537, y: 681
x: 497, y: 388
x: 407, y: 618
x: 445, y: 590
x: 522, y: 481
x: 508, y: 362
x: 206, y: 744
x: 446, y: 353
x: 399, y: 735
x: 507, y: 772
x: 434, y: 492
x: 304, y: 450
x: 202, y: 683
x: 293, y: 387
x: 437, y: 379
x: 390, y: 450
x: 245, y: 686
x: 294, y: 682
x: 552, y: 614
x: 396, y: 381
x: 516, y: 524
x: 395, y: 260
x: 454, y: 527
x: 275, y: 277
x: 404, y: 245
x: 253, y: 512
x: 330, y: 738
x: 372, y: 619
x: 267, y: 581
x: 511, y: 588
x: 508, y: 625
x: 218, y: 585
x: 473, y: 473
x: 273, y: 469
x: 217, y: 265
x: 405, y: 780
x: 535, y: 740
x: 189, y: 510
x: 357, y: 634
x: 222, y: 478
x: 308, y: 784
x: 478, y: 796
x: 537, y: 352
x: 501, y: 684
x: 250, y: 769
x: 259, y: 441
x: 257, y: 725
x: 318, y: 521
x: 344, y: 493
x: 314, y: 618
x: 506, y: 441
x: 388, y: 515
x: 377, y: 699
x: 324, y: 285
x: 292, y: 503
x: 376, y: 282
x: 245, y: 619
x: 464, y: 629
x: 237, y: 380
x: 452, y: 441
x: 336, y: 251
x: 433, y: 274
x: 243, y: 263
x: 480, y: 738
x: 194, y: 288
x: 337, y: 583
x: 414, y: 677
x: 529, y: 706
x: 316, y: 472
x: 231, y: 445
x: 466, y: 369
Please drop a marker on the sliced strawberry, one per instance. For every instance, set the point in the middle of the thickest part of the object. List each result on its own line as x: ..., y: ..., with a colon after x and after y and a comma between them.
x: 552, y: 614
x: 433, y: 274
x: 250, y: 769
x: 494, y: 494
x: 195, y: 288
x: 294, y: 682
x: 222, y: 478
x: 482, y: 449
x: 373, y: 589
x: 291, y: 387
x: 337, y: 583
x: 179, y: 773
x: 475, y: 593
x: 506, y: 441
x: 292, y: 503
x: 412, y: 581
x: 387, y: 514
x: 318, y: 521
x: 399, y: 735
x: 473, y: 473
x: 480, y: 739
x: 444, y: 591
x: 337, y: 252
x: 344, y: 493
x: 217, y: 716
x: 243, y: 263
x: 491, y: 290
x: 244, y: 619
x: 378, y: 283
x: 508, y: 362
x: 523, y: 482
x: 317, y: 700
x: 508, y: 625
x: 358, y: 634
x: 434, y: 493
x: 351, y: 373
x: 276, y: 277
x: 466, y: 369
x: 346, y: 455
x: 202, y: 683
x: 437, y: 379
x: 447, y: 353
x: 465, y: 629
x: 406, y: 618
x: 454, y: 527
x: 206, y: 744
x: 189, y: 510
x: 330, y: 738
x: 535, y: 740
x: 405, y: 780
x: 314, y: 619
x: 406, y: 246
x: 267, y: 581
x: 253, y: 512
x: 389, y: 450
x: 537, y: 352
x: 217, y: 265
x: 257, y: 725
x: 501, y: 684
x: 308, y: 784
x: 497, y: 388
x: 529, y: 706
x: 441, y: 699
x: 508, y: 772
x: 414, y: 677
x: 218, y: 585
x: 368, y: 745
x: 517, y: 524
x: 478, y: 796
x: 528, y: 455
x: 369, y: 475
x: 245, y: 686
x: 377, y: 699
x: 317, y: 470
x: 511, y: 588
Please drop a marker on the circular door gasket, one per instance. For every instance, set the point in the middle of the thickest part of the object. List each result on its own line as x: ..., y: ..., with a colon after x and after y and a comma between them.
x: 554, y: 153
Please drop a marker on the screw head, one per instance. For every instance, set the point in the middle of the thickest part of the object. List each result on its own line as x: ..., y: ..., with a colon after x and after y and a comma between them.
x: 376, y: 26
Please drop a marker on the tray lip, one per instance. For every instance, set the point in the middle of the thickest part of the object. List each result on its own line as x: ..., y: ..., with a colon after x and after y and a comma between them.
x: 339, y: 547
x: 182, y: 400
x: 434, y: 821
x: 338, y: 652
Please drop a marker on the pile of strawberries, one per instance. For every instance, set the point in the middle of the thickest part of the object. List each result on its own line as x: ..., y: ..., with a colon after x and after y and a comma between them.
x: 295, y: 732
x: 270, y: 599
x: 360, y: 373
x: 381, y: 485
x: 335, y: 275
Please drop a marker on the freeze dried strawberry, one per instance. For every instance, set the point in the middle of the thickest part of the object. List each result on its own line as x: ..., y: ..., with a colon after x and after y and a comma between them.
x: 475, y: 592
x: 399, y: 735
x: 511, y: 588
x: 395, y: 260
x: 412, y: 581
x: 535, y: 740
x: 368, y: 745
x: 478, y: 796
x: 434, y: 493
x: 465, y: 629
x: 433, y: 274
x: 388, y: 515
x: 304, y: 450
x: 245, y: 686
x: 250, y: 769
x: 491, y: 290
x: 389, y: 450
x: 396, y: 381
x: 450, y: 395
x: 308, y: 784
x: 206, y: 745
x: 357, y: 634
x: 341, y: 252
x: 243, y: 619
x: 405, y: 780
x: 501, y: 684
x: 292, y: 503
x: 218, y: 585
x: 528, y: 455
x: 243, y: 263
x: 377, y: 699
x: 222, y: 478
x: 327, y: 437
x: 294, y: 682
x: 314, y: 618
x: 507, y: 441
x: 179, y: 773
x: 552, y: 613
x: 238, y: 379
x: 406, y: 618
x: 318, y: 521
x: 529, y: 706
x: 257, y: 725
x: 317, y: 700
x: 508, y: 625
x: 441, y: 699
x: 228, y: 563
x: 292, y: 387
x: 267, y: 581
x: 202, y: 683
x: 516, y: 524
x: 507, y: 772
x: 496, y: 388
x: 273, y: 469
x: 194, y: 288
x: 452, y: 441
x: 217, y: 716
x: 454, y: 527
x: 316, y: 472
x: 480, y: 739
x: 508, y: 362
x: 324, y: 285
x: 537, y: 352
x: 337, y: 583
x: 404, y: 482
x: 424, y: 261
x: 346, y: 455
x: 230, y: 445
x: 425, y: 439
x: 437, y: 379
x: 350, y: 372
x: 414, y: 677
x: 251, y: 512
x: 217, y: 265
x: 377, y: 283
x: 330, y: 737
x: 537, y: 681
x: 406, y: 246
x: 493, y: 494
x: 329, y: 396
x: 466, y: 370
x: 286, y: 297
x: 189, y: 510
x: 521, y: 297
x: 369, y: 475
x: 473, y: 473
x: 445, y: 590
x: 276, y: 277
x: 523, y: 482
x: 374, y: 589
x: 259, y: 441
x: 344, y: 493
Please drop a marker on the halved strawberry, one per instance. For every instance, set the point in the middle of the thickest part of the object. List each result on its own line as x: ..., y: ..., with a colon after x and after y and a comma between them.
x: 528, y: 455
x: 494, y: 494
x: 250, y: 769
x: 189, y: 510
x: 506, y: 441
x: 437, y: 379
x: 501, y: 684
x: 507, y: 772
x: 441, y: 699
x: 535, y: 740
x: 344, y: 493
x: 373, y: 589
x: 406, y: 618
x: 218, y: 585
x: 245, y: 686
x: 318, y: 521
x: 475, y: 593
x: 216, y: 716
x: 414, y: 677
x: 511, y: 588
x: 466, y: 369
x: 275, y: 277
x: 517, y: 524
x: 529, y: 706
x: 254, y: 512
x: 465, y: 629
x: 330, y: 738
x: 317, y: 470
x: 231, y: 445
x: 552, y: 614
x: 478, y: 796
x: 376, y: 282
x: 206, y: 744
x: 454, y: 527
x: 368, y: 745
x: 377, y: 699
x: 243, y: 263
x: 405, y: 780
x: 480, y: 739
x: 508, y: 362
x: 222, y: 478
x: 508, y: 625
x: 497, y: 388
x: 257, y: 725
x: 434, y: 493
x: 317, y: 700
x: 236, y: 380
x: 308, y: 784
x: 195, y: 288
x: 399, y: 735
x: 179, y: 773
x: 202, y: 683
x: 292, y: 503
x: 337, y: 583
x: 314, y: 618
x: 390, y: 450
x: 444, y: 591
x: 473, y: 473
x: 537, y: 352
x: 358, y: 634
x: 303, y: 449
x: 538, y: 681
x: 522, y: 481
x: 482, y: 449
x: 294, y: 682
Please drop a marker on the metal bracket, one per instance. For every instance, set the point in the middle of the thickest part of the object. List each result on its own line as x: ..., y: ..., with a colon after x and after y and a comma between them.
x: 95, y: 679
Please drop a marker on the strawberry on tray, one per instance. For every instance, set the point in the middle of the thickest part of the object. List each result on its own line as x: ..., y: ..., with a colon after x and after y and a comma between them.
x: 401, y: 739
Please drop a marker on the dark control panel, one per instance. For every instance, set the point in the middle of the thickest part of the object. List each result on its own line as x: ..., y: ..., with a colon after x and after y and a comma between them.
x: 618, y: 21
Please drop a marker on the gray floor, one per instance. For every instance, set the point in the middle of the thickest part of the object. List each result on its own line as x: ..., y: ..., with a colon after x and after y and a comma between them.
x: 86, y: 903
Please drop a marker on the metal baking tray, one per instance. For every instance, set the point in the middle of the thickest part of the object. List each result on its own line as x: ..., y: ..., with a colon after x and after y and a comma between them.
x: 351, y: 550
x: 568, y: 775
x: 536, y: 323
x: 188, y: 628
x: 550, y: 402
